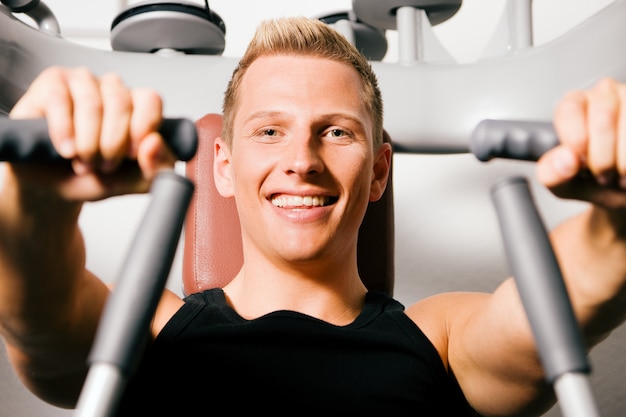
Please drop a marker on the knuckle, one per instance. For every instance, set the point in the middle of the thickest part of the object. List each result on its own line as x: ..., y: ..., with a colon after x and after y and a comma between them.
x: 82, y: 72
x: 571, y: 103
x: 111, y: 78
x: 120, y: 102
x: 53, y: 72
x: 148, y: 96
x: 606, y: 83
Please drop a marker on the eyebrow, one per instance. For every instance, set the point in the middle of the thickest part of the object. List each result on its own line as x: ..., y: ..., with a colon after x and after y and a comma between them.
x: 333, y: 116
x: 262, y: 114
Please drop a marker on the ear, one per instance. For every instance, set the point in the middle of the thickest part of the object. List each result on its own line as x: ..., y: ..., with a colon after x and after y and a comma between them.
x: 222, y: 168
x: 381, y: 169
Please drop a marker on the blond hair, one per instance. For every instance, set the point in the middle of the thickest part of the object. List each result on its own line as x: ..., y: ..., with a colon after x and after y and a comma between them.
x: 308, y: 37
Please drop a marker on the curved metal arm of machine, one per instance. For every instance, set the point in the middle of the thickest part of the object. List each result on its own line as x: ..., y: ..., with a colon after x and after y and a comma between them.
x: 21, y: 6
x: 27, y: 140
x: 429, y: 107
x: 38, y: 11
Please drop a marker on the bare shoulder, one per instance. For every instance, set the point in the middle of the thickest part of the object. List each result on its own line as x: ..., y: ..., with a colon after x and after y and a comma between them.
x: 169, y: 304
x: 438, y: 314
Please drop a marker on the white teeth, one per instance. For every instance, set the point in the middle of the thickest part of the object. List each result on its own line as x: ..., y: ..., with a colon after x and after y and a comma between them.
x: 299, y: 201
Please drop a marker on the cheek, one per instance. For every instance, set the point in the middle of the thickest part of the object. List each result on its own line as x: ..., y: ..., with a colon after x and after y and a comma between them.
x: 356, y: 170
x: 249, y: 171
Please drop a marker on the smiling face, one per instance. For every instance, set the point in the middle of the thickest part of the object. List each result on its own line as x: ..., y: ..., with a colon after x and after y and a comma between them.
x: 301, y: 166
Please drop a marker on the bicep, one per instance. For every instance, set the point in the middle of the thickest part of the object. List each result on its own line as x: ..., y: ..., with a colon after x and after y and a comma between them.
x: 486, y: 344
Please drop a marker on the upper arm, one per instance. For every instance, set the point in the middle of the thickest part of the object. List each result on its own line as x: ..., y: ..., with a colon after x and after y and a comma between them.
x: 168, y: 306
x: 484, y: 341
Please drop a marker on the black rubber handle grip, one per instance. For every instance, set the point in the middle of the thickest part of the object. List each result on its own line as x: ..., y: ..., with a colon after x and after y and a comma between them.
x: 27, y: 140
x: 512, y: 139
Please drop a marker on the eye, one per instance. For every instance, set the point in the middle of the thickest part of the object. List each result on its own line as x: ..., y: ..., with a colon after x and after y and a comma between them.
x: 337, y: 133
x: 267, y: 135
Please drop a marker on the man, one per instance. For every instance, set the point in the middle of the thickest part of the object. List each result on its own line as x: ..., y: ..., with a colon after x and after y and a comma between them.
x: 295, y: 331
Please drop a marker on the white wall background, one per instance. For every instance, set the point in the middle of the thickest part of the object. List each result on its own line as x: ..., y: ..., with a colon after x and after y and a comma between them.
x: 446, y: 237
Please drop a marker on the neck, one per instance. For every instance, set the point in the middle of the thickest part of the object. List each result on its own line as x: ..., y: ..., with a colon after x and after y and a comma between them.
x: 336, y: 297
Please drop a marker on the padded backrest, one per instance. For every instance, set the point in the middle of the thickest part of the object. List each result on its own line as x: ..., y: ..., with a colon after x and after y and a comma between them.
x: 212, y: 252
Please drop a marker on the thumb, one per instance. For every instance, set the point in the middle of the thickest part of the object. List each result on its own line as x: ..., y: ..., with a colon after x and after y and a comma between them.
x: 153, y: 155
x: 557, y: 166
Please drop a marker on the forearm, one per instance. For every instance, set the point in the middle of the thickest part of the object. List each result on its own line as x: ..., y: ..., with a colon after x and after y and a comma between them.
x: 591, y: 249
x: 49, y: 304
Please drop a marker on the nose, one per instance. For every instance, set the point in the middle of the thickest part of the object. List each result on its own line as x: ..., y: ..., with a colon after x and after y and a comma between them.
x: 303, y: 156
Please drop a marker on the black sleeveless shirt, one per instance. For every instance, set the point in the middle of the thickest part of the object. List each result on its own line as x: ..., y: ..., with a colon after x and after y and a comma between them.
x: 208, y: 359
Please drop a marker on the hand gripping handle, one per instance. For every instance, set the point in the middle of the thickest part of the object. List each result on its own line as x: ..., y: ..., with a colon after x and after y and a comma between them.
x: 27, y: 140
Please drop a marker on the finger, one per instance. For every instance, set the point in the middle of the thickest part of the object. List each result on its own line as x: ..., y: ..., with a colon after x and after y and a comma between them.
x: 85, y: 90
x: 621, y: 137
x: 151, y: 152
x: 603, y: 110
x: 115, y: 132
x: 570, y: 122
x: 154, y: 155
x: 49, y: 97
x: 558, y: 166
x: 146, y: 117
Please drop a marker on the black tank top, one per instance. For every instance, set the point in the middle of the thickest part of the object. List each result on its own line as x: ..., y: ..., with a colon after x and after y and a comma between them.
x: 208, y: 359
